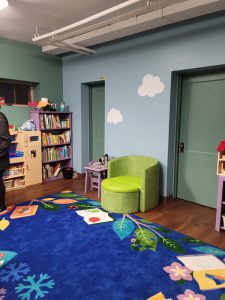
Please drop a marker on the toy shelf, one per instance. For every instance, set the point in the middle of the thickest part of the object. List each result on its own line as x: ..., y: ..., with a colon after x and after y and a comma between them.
x: 25, y: 169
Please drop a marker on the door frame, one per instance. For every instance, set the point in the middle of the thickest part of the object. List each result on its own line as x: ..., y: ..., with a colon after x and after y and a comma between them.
x: 175, y: 121
x: 85, y: 102
x: 99, y: 84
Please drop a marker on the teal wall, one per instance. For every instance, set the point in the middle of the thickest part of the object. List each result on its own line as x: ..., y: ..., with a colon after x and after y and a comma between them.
x: 145, y: 129
x: 26, y: 62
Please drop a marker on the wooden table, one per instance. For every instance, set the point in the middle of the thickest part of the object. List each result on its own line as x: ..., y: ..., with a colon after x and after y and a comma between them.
x: 96, y: 173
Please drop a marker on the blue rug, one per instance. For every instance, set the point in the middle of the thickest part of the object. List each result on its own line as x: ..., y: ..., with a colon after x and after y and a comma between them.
x: 56, y: 255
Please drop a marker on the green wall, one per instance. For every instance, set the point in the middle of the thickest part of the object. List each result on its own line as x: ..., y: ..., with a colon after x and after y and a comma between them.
x: 20, y: 61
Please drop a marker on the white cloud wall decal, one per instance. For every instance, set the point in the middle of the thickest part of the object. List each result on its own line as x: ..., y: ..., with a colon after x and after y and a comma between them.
x: 114, y: 116
x: 151, y: 85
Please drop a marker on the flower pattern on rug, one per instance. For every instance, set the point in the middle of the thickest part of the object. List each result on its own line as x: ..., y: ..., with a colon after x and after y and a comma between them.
x: 190, y: 295
x: 177, y: 272
x: 2, y: 293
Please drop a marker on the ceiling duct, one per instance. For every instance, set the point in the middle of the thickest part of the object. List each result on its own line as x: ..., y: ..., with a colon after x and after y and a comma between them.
x: 94, y: 30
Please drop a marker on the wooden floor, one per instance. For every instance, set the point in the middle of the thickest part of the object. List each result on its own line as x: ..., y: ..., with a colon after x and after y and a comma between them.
x: 192, y: 219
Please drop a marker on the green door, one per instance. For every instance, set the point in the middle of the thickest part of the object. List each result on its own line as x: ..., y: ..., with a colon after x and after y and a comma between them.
x: 202, y: 127
x: 97, y: 121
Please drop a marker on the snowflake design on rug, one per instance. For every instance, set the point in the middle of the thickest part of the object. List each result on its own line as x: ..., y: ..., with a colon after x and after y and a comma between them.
x: 2, y: 293
x: 14, y: 272
x: 37, y: 287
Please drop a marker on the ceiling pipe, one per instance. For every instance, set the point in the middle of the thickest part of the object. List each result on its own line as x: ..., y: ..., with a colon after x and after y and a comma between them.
x: 68, y: 48
x: 86, y: 20
x: 95, y: 26
x: 78, y: 47
x: 148, y: 21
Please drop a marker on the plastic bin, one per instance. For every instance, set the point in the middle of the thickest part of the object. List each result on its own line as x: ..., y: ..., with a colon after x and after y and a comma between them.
x: 18, y: 182
x: 67, y: 173
x: 8, y: 184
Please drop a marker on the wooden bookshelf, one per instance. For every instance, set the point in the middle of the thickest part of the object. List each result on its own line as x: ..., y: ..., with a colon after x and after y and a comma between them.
x: 56, y: 141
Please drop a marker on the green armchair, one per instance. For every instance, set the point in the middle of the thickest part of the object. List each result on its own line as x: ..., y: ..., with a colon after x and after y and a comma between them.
x: 132, y: 184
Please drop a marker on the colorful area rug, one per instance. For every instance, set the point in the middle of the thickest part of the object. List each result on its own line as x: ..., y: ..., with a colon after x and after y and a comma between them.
x: 65, y: 246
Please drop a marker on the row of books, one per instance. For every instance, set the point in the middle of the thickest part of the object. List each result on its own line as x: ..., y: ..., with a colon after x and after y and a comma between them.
x: 50, y: 171
x: 56, y: 153
x: 49, y: 139
x: 53, y: 121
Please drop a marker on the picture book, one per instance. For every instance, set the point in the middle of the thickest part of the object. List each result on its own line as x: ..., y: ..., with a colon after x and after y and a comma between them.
x: 94, y: 216
x: 201, y: 262
x: 208, y: 270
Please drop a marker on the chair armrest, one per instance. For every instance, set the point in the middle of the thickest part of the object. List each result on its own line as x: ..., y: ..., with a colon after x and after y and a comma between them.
x: 150, y: 187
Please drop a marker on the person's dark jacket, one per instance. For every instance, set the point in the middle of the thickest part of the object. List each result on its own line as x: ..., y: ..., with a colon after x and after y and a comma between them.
x: 5, y: 142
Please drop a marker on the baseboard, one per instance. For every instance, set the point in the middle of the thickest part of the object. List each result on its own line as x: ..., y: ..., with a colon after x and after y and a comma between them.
x: 81, y: 175
x: 165, y: 198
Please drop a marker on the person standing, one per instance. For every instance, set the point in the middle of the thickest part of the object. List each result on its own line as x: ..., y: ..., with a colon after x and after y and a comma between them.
x: 5, y: 141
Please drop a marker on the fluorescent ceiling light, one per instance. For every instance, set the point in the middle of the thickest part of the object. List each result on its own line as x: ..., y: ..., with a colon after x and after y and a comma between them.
x: 3, y: 4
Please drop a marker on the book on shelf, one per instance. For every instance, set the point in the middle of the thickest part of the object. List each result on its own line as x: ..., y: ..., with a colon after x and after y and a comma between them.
x: 49, y: 139
x: 49, y: 171
x: 56, y: 169
x: 56, y: 153
x: 50, y: 121
x: 65, y: 123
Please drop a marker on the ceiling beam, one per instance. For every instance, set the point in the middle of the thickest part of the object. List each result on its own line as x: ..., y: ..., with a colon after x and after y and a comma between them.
x: 85, y: 21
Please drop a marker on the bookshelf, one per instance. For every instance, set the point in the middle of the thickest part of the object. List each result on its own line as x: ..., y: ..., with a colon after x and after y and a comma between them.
x: 56, y: 139
x: 25, y: 160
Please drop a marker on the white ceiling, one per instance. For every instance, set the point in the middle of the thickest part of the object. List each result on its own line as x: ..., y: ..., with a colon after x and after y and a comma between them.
x: 21, y: 18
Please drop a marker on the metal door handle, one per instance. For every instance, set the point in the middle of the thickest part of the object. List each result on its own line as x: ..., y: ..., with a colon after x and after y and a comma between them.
x: 181, y: 146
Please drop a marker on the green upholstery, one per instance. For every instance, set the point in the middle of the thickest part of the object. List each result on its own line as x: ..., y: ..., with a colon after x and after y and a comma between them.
x: 124, y: 203
x: 122, y: 184
x: 126, y: 175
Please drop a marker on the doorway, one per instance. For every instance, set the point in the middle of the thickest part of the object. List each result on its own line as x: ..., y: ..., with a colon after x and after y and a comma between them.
x: 96, y: 121
x: 201, y: 126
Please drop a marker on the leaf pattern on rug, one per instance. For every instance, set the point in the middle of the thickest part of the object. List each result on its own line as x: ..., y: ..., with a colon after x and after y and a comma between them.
x: 93, y: 202
x: 147, y: 237
x: 66, y: 195
x: 171, y: 244
x: 145, y: 240
x: 191, y: 240
x: 123, y: 227
x: 80, y: 206
x: 81, y: 198
x: 209, y: 250
x: 47, y: 199
x: 64, y: 201
x: 50, y: 206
